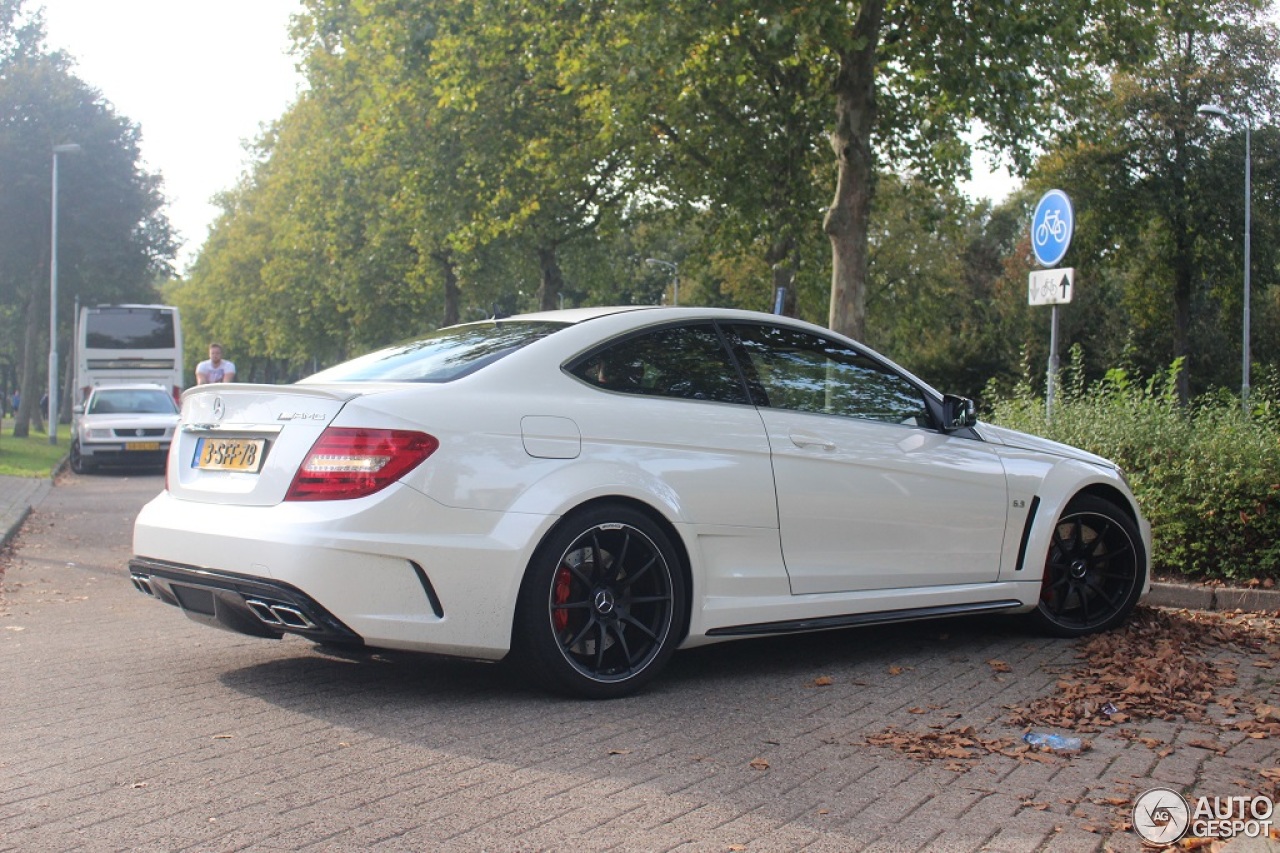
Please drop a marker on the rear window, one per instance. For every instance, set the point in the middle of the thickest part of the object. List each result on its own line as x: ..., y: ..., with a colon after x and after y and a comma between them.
x: 441, y: 356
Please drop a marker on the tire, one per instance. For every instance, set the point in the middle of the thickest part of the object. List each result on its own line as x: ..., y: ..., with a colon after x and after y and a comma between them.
x: 78, y: 463
x: 602, y: 604
x: 1094, y: 571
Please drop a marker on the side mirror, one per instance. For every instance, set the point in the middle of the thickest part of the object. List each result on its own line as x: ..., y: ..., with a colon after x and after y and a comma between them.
x: 958, y: 413
x: 77, y: 409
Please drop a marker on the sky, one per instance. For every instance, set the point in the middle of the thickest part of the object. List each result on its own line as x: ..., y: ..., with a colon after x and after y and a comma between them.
x: 201, y: 78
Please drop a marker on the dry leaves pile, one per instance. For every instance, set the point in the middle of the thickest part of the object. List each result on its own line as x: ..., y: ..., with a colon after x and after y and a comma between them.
x: 1161, y: 666
x: 956, y: 745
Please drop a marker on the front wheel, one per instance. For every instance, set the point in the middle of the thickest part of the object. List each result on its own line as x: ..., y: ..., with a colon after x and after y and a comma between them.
x: 1094, y: 570
x: 602, y: 603
x: 78, y: 463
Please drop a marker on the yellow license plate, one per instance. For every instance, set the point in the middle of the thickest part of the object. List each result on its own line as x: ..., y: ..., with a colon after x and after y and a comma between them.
x: 142, y: 445
x: 229, y: 454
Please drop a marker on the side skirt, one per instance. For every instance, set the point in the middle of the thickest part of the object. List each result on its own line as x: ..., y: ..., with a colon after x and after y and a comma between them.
x: 855, y: 619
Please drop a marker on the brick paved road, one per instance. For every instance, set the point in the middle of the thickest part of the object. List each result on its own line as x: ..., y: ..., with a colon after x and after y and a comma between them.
x: 128, y: 727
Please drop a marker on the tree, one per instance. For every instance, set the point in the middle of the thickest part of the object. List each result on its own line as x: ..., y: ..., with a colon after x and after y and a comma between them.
x: 114, y: 241
x: 1158, y: 185
x: 898, y: 85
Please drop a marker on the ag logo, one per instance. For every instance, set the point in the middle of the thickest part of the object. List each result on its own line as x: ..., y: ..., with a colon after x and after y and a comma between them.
x: 1161, y: 816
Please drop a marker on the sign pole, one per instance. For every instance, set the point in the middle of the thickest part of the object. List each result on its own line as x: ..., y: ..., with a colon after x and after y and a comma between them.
x: 1052, y: 382
x: 1051, y: 229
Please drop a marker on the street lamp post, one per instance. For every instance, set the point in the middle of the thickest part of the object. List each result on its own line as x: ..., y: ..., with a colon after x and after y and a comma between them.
x: 67, y: 148
x: 1213, y: 110
x: 675, y: 277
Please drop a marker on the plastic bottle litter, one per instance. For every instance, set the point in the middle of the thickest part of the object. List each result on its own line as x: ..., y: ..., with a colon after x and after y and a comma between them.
x: 1058, y: 743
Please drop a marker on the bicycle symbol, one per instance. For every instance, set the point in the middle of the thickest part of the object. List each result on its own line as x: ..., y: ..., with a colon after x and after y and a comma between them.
x: 1052, y: 226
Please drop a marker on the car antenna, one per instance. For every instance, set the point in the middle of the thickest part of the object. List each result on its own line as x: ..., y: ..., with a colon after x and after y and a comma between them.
x: 497, y: 313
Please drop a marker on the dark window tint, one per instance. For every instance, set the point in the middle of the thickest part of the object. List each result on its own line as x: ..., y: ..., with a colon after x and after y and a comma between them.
x: 807, y: 373
x: 689, y: 362
x: 441, y: 356
x: 128, y: 328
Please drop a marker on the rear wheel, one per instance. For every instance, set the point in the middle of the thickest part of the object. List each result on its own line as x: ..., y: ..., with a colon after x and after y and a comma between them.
x: 601, y: 606
x: 1094, y: 571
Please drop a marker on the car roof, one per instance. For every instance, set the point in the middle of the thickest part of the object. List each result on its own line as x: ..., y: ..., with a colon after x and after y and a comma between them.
x: 655, y: 313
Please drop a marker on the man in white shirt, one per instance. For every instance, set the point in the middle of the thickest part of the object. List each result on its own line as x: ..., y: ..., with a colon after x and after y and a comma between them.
x: 216, y: 368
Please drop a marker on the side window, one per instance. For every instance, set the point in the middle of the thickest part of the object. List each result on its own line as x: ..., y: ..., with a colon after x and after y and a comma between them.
x: 688, y: 362
x: 807, y: 373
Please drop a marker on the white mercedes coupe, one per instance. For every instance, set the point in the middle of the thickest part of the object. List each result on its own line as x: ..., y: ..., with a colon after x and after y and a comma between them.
x: 590, y: 490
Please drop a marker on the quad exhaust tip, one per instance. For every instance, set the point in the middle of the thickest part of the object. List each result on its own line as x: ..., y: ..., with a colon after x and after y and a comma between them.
x: 280, y: 615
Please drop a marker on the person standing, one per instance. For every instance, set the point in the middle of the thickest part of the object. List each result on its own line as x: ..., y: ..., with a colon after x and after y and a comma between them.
x: 216, y: 368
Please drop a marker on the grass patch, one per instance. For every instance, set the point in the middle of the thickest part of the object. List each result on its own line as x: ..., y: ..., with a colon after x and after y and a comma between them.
x: 32, y: 456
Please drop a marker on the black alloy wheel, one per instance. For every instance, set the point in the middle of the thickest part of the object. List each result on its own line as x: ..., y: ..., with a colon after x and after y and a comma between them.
x: 1094, y: 571
x: 602, y: 604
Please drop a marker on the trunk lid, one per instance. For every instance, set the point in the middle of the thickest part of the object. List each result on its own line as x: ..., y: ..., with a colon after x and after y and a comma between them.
x: 242, y: 444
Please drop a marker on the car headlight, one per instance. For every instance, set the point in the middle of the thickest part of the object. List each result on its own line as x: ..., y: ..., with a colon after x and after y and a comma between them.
x: 98, y: 434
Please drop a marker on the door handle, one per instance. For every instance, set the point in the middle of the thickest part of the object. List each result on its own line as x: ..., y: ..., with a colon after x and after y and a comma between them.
x: 804, y: 439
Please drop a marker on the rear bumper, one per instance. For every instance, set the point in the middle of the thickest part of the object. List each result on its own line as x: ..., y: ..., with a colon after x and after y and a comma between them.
x: 253, y: 606
x: 394, y: 570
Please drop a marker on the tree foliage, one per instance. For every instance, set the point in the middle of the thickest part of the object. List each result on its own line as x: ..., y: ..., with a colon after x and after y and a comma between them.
x: 452, y: 159
x: 114, y: 241
x: 1159, y: 187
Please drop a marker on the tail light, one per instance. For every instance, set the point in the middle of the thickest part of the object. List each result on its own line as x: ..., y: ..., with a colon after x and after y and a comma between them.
x: 177, y: 394
x: 352, y: 463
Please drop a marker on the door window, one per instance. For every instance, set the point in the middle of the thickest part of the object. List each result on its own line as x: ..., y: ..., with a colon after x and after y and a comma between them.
x: 803, y: 372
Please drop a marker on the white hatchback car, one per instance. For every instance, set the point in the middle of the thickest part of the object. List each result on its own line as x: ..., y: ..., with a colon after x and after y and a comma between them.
x: 123, y: 425
x: 592, y: 489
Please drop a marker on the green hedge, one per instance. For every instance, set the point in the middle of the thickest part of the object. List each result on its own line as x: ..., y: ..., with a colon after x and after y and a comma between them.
x: 1205, y: 475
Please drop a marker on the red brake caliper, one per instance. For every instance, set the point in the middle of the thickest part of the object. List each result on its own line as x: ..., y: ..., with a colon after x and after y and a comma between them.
x: 560, y: 595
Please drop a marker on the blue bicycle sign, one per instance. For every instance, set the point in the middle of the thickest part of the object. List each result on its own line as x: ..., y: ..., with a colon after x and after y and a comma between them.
x: 1051, y: 228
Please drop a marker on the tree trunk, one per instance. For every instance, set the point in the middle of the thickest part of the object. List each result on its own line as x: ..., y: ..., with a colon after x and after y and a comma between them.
x: 449, y: 275
x: 552, y: 281
x: 846, y: 222
x: 782, y: 263
x: 29, y: 405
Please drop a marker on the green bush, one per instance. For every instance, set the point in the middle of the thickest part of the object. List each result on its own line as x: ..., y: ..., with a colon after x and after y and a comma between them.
x: 1205, y: 475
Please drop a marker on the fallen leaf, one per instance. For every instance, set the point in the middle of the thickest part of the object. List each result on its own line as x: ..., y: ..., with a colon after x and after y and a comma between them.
x: 619, y: 752
x: 759, y: 764
x: 823, y: 681
x: 999, y: 666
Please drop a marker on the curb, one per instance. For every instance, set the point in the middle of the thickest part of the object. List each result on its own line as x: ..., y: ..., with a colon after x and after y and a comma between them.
x: 11, y: 529
x: 1202, y: 597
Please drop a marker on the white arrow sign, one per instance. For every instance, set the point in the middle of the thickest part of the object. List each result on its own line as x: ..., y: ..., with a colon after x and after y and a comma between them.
x: 1050, y: 287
